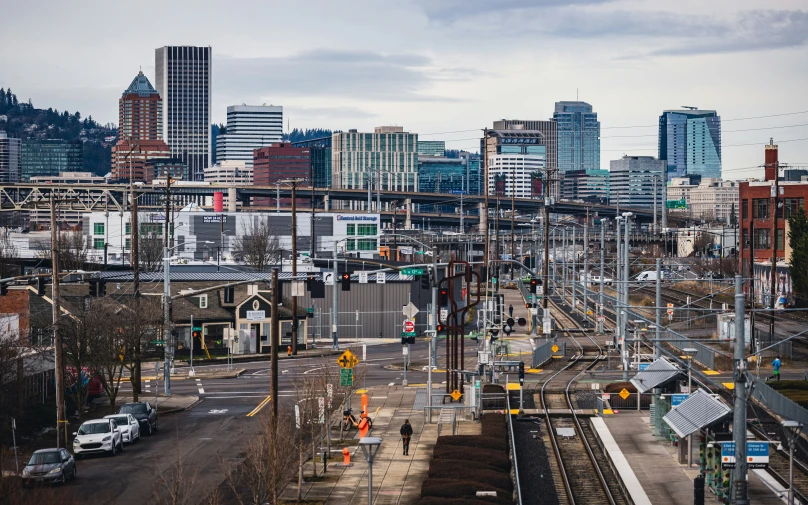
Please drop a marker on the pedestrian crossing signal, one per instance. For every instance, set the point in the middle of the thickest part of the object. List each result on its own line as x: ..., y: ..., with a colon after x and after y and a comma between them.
x: 534, y: 283
x: 345, y: 280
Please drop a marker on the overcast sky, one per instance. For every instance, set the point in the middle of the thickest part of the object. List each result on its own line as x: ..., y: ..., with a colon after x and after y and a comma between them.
x: 441, y: 67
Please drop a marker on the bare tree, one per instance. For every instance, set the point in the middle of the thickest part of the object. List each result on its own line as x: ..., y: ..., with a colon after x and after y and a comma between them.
x: 82, y: 340
x: 131, y: 326
x: 268, y: 464
x: 8, y: 253
x: 73, y: 250
x: 150, y: 244
x: 257, y: 245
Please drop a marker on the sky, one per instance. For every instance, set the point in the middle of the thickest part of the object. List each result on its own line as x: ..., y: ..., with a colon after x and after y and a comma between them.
x: 444, y: 69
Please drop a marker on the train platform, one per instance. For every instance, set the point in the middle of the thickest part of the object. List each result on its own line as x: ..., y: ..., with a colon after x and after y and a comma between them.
x: 650, y: 471
x: 397, y: 478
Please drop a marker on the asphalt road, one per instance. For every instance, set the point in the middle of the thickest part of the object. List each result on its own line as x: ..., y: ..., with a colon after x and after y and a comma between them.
x: 218, y: 428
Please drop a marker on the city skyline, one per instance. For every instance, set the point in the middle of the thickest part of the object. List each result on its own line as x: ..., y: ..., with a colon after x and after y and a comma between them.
x: 444, y: 80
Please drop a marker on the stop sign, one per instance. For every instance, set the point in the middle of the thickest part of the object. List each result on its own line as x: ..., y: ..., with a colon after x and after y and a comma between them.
x: 409, y: 326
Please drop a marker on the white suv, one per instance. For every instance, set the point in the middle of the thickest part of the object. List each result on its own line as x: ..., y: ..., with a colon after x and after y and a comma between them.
x: 99, y: 435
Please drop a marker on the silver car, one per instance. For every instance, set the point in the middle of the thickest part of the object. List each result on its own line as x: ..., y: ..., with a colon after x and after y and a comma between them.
x: 130, y: 428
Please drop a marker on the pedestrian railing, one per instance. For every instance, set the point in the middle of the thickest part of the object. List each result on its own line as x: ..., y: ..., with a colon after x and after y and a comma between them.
x: 544, y: 353
x: 512, y: 453
x: 779, y: 347
x: 447, y: 416
x: 461, y: 412
x: 779, y: 404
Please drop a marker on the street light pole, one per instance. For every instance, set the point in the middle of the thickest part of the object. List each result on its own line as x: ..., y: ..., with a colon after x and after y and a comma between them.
x: 792, y: 431
x: 602, y: 264
x: 167, y: 349
x: 740, y: 484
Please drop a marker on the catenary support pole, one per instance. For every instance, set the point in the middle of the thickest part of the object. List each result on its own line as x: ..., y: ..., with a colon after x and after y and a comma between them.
x: 574, y: 277
x: 275, y: 342
x: 602, y: 274
x: 166, y: 322
x: 335, y: 303
x: 618, y: 284
x: 740, y: 484
x: 586, y: 269
x: 658, y: 319
x: 626, y: 274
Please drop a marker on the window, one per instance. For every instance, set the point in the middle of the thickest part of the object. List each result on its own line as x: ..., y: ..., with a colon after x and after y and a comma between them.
x: 791, y: 207
x: 760, y: 208
x: 762, y: 239
x: 203, y: 302
x: 151, y: 229
x: 780, y: 239
x: 366, y: 244
x: 98, y: 229
x: 350, y: 245
x: 128, y: 244
x: 367, y: 229
x: 128, y: 229
x: 350, y: 230
x: 98, y: 243
x: 744, y: 209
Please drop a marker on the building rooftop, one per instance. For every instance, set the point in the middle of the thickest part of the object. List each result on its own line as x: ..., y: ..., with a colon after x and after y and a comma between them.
x: 140, y: 86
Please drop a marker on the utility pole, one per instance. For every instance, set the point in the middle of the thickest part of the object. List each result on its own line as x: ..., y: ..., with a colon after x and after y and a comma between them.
x: 335, y: 304
x: 775, y: 213
x: 658, y: 303
x: 313, y: 248
x: 574, y: 276
x: 275, y: 342
x: 586, y: 266
x: 294, y: 276
x: 740, y: 485
x: 394, y: 252
x: 617, y: 279
x: 513, y: 212
x: 544, y: 266
x: 485, y: 185
x: 134, y: 254
x: 602, y: 264
x: 61, y: 419
x: 626, y: 272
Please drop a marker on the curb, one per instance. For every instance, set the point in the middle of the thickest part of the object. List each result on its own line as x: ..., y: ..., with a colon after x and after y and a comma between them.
x: 253, y: 357
x: 177, y: 410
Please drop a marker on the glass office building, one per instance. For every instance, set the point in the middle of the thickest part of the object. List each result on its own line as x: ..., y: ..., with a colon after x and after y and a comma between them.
x: 578, y: 136
x: 320, y: 158
x: 431, y: 147
x: 50, y: 158
x: 690, y: 142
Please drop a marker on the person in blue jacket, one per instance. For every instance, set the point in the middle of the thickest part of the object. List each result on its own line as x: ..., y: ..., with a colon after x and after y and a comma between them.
x: 776, y: 366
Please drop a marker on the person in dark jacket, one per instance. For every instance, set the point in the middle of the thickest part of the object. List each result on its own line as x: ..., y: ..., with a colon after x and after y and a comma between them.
x: 406, y: 433
x: 510, y: 310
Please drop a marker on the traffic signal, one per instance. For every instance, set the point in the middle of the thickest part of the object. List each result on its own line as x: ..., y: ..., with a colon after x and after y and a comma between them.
x: 93, y: 288
x: 310, y: 282
x: 316, y: 288
x: 527, y: 305
x: 345, y: 280
x: 196, y: 334
x: 426, y: 279
x: 510, y: 322
x: 521, y: 371
x: 494, y: 334
x: 40, y: 286
x: 534, y: 283
x: 102, y: 288
x: 439, y: 329
x: 444, y: 297
x: 407, y: 340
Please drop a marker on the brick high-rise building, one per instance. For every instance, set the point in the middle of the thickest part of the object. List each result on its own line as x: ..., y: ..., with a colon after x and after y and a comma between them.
x: 279, y: 162
x: 140, y: 131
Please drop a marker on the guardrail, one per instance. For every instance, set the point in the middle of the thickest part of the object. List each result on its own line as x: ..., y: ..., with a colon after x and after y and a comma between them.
x: 778, y: 403
x: 782, y: 349
x: 462, y: 412
x: 544, y: 353
x: 512, y: 453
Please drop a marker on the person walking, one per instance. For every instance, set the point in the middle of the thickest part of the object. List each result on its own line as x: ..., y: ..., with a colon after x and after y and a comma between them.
x: 510, y: 310
x: 406, y: 433
x: 776, y: 365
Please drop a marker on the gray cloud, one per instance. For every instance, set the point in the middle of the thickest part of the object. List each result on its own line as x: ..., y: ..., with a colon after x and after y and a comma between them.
x: 360, y: 75
x: 449, y: 11
x: 335, y: 113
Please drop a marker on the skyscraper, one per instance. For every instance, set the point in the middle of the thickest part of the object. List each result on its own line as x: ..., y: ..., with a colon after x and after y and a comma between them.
x: 631, y: 181
x: 578, y: 136
x: 10, y: 158
x: 139, y: 115
x: 249, y: 127
x: 50, y: 158
x: 183, y: 79
x: 690, y: 142
x: 525, y: 137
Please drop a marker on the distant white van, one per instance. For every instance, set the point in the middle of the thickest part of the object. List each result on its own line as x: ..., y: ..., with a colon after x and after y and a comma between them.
x: 649, y: 276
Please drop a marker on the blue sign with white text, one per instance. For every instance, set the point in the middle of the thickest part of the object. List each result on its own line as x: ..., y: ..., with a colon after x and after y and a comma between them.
x: 677, y: 399
x: 643, y: 366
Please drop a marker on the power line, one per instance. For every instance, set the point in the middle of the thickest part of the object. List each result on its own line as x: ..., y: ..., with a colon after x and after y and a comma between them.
x: 723, y: 132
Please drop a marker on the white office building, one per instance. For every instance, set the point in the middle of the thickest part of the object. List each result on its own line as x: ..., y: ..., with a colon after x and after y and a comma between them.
x: 632, y: 180
x: 249, y: 127
x: 511, y: 174
x: 183, y: 80
x: 10, y: 158
x: 231, y: 173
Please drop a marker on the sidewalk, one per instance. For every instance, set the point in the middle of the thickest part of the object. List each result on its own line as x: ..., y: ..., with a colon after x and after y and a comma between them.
x: 164, y: 405
x: 183, y: 375
x: 397, y: 479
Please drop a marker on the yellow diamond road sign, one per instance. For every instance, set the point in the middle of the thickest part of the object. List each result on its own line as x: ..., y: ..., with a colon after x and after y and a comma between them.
x: 624, y: 393
x: 554, y: 348
x: 456, y: 395
x: 347, y: 360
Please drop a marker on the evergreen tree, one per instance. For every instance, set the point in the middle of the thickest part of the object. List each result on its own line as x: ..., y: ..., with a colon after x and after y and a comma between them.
x: 9, y: 98
x: 2, y: 99
x: 798, y: 241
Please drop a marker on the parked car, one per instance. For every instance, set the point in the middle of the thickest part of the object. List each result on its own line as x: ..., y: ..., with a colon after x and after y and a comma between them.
x: 130, y: 428
x: 650, y: 276
x: 144, y: 413
x: 98, y: 435
x: 606, y: 280
x: 49, y: 465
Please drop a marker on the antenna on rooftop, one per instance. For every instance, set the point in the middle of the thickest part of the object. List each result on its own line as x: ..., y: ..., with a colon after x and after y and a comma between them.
x: 689, y: 107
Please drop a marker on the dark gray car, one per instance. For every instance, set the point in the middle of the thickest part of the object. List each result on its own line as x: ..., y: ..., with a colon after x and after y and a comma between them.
x: 49, y: 465
x: 144, y: 413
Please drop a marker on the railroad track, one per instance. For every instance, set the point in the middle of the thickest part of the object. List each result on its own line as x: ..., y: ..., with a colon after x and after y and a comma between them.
x: 576, y: 460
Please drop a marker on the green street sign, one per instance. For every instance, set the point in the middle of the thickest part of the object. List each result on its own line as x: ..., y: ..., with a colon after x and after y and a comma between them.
x: 408, y: 334
x: 310, y: 310
x: 157, y: 342
x: 346, y: 377
x: 197, y: 328
x: 413, y: 271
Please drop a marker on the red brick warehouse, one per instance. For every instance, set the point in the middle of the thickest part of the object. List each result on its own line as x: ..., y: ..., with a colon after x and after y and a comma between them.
x: 279, y: 162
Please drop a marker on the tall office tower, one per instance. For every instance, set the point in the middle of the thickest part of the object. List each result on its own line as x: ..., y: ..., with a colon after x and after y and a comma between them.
x: 534, y: 138
x: 431, y: 147
x: 139, y: 140
x: 183, y: 79
x: 249, y: 127
x: 690, y: 142
x: 631, y: 181
x: 10, y: 158
x: 578, y: 136
x: 389, y: 155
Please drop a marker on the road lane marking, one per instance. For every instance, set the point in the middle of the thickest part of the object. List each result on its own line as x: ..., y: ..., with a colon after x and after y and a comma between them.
x: 199, y: 386
x: 260, y: 406
x: 392, y: 384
